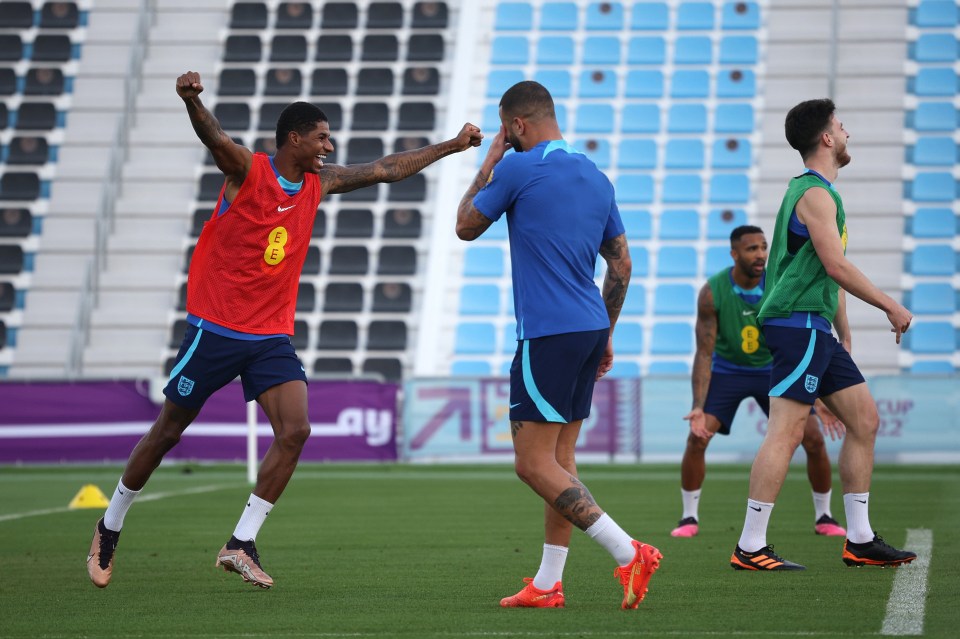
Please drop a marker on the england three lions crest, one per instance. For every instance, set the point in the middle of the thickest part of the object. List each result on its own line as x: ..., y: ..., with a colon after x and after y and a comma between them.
x: 185, y: 386
x: 809, y: 384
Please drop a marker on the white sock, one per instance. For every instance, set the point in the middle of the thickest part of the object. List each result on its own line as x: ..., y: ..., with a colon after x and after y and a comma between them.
x: 691, y: 501
x: 551, y: 567
x: 821, y: 504
x: 119, y: 505
x: 612, y: 537
x: 856, y: 506
x: 754, y: 535
x: 252, y: 518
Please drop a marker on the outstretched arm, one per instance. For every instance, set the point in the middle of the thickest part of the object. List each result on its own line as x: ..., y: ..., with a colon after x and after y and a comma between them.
x: 393, y: 168
x: 616, y: 254
x: 700, y: 380
x: 471, y: 223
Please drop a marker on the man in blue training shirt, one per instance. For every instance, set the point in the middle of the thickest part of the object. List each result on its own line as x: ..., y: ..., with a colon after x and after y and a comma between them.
x: 561, y: 212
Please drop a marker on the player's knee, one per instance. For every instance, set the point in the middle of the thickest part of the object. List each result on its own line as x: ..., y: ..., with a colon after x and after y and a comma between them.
x: 164, y: 438
x: 294, y: 436
x: 697, y: 444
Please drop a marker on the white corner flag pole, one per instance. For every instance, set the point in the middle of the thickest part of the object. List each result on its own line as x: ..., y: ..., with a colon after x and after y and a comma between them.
x: 252, y: 457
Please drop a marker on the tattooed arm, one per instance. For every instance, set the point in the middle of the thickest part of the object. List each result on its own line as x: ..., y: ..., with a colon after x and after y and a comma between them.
x: 616, y: 254
x: 706, y: 331
x: 395, y: 167
x: 471, y: 223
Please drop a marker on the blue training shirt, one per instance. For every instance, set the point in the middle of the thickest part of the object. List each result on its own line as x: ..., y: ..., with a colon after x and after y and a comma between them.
x: 560, y: 208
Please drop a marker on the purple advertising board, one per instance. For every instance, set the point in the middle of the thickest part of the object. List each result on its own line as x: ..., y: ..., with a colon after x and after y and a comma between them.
x: 48, y: 422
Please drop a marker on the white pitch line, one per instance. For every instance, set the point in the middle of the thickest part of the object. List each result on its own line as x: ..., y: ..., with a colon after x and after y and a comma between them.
x: 905, y: 608
x: 148, y: 497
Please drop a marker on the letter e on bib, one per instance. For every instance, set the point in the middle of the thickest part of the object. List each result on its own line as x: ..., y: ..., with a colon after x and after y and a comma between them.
x: 274, y: 252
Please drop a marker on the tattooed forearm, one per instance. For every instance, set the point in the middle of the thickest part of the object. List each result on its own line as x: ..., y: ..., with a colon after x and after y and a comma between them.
x: 392, y: 168
x: 206, y: 126
x: 617, y: 255
x: 471, y: 223
x: 515, y: 428
x: 577, y: 506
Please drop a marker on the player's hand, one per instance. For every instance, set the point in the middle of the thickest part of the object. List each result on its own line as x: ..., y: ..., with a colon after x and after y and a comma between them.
x: 606, y: 361
x: 698, y: 423
x: 900, y: 319
x: 188, y: 85
x: 830, y: 423
x: 498, y: 147
x: 469, y: 136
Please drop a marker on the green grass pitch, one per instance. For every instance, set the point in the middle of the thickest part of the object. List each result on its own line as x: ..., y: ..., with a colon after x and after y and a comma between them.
x: 428, y: 551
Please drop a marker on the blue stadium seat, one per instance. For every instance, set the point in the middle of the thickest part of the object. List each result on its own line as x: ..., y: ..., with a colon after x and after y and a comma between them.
x: 732, y: 153
x: 650, y: 16
x: 558, y: 16
x: 739, y: 49
x: 934, y: 47
x: 674, y: 299
x: 682, y: 189
x: 624, y: 369
x: 733, y: 118
x: 931, y: 259
x: 509, y: 344
x: 695, y: 15
x: 933, y: 151
x: 730, y: 188
x: 929, y: 367
x: 636, y: 223
x: 561, y: 111
x: 716, y: 259
x: 720, y: 222
x: 636, y: 300
x: 514, y: 16
x: 594, y: 118
x: 683, y: 153
x: 634, y: 189
x: 496, y: 231
x: 491, y: 118
x: 687, y: 118
x: 555, y: 50
x: 470, y: 368
x: 604, y: 16
x: 510, y: 50
x: 641, y: 261
x: 935, y: 13
x: 475, y: 338
x: 498, y: 81
x: 628, y: 338
x: 932, y: 297
x: 640, y: 118
x: 637, y: 154
x: 644, y: 84
x: 738, y: 83
x: 933, y: 116
x: 932, y: 337
x: 483, y: 261
x: 677, y: 261
x: 597, y: 150
x: 601, y: 50
x: 928, y: 222
x: 671, y: 338
x: 932, y: 187
x: 693, y: 50
x: 599, y: 83
x: 480, y: 299
x: 646, y: 50
x: 557, y: 81
x: 933, y: 82
x: 679, y: 224
x: 690, y: 84
x: 740, y: 15
x: 662, y: 367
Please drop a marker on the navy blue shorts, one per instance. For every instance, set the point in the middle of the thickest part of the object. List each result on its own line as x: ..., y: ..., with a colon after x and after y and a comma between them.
x: 808, y: 364
x: 726, y: 392
x: 552, y: 377
x: 207, y: 362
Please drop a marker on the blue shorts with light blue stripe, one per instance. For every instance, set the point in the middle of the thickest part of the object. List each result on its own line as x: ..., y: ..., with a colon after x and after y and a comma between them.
x: 808, y: 363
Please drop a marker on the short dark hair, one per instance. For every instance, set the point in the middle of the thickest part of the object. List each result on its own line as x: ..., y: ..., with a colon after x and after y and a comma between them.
x: 528, y: 99
x: 740, y: 231
x: 301, y: 117
x: 805, y: 122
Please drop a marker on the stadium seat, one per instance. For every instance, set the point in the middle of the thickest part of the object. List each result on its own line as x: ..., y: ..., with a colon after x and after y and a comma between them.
x: 932, y: 187
x: 15, y: 222
x: 716, y: 259
x: 51, y: 48
x: 551, y: 50
x: 283, y: 82
x: 306, y: 298
x: 646, y: 50
x: 932, y: 298
x: 509, y: 344
x: 19, y: 186
x: 932, y: 367
x: 597, y: 150
x: 604, y: 16
x: 733, y: 188
x: 11, y: 46
x: 934, y: 47
x: 389, y: 368
x: 384, y: 15
x: 11, y: 259
x: 690, y: 84
x: 634, y: 189
x: 637, y: 153
x: 209, y: 187
x: 934, y: 223
x: 8, y: 82
x: 598, y: 84
x: 387, y: 335
x: 931, y: 259
x: 740, y: 15
x: 693, y: 50
x: 514, y: 16
x: 429, y: 15
x: 601, y: 50
x: 738, y: 50
x: 732, y: 153
x: 333, y: 366
x: 301, y: 335
x: 628, y: 338
x: 594, y: 118
x: 738, y: 83
x: 237, y: 82
x: 248, y: 15
x: 733, y: 118
x: 392, y: 297
x: 684, y: 153
x: 636, y: 300
x: 933, y: 151
x: 421, y: 81
x: 557, y: 81
x: 720, y: 222
x: 650, y: 16
x: 932, y: 337
x: 644, y: 84
x: 935, y: 13
x: 401, y: 223
x: 510, y: 50
x: 375, y: 81
x: 354, y: 223
x: 641, y: 261
x: 682, y: 189
x: 177, y: 332
x: 624, y: 369
x: 933, y: 82
x: 379, y: 48
x: 370, y: 116
x: 671, y: 338
x: 349, y: 260
x: 36, y: 116
x: 244, y: 48
x: 695, y: 16
x: 687, y: 118
x: 44, y: 81
x: 674, y: 299
x: 933, y: 116
x: 469, y: 368
x: 8, y: 296
x: 637, y: 223
x: 558, y: 16
x: 16, y: 15
x: 319, y: 224
x: 311, y: 265
x: 28, y: 150
x: 361, y: 150
x: 4, y: 115
x: 294, y: 15
x: 677, y: 261
x: 499, y: 80
x: 639, y: 118
x: 269, y: 114
x: 416, y: 116
x: 334, y: 48
x: 397, y: 260
x: 339, y: 15
x: 425, y: 47
x: 483, y: 261
x: 338, y: 335
x: 475, y: 338
x: 411, y: 189
x: 334, y: 114
x: 662, y: 367
x: 679, y: 224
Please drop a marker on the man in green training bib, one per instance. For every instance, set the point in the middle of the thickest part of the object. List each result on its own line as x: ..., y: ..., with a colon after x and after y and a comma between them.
x: 806, y: 276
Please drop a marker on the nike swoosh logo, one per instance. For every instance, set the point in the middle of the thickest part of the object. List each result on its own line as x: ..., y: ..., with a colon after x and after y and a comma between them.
x: 285, y: 208
x: 745, y: 313
x: 860, y: 501
x: 121, y: 492
x: 515, y: 405
x: 756, y: 509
